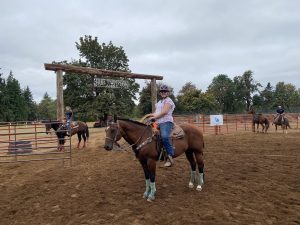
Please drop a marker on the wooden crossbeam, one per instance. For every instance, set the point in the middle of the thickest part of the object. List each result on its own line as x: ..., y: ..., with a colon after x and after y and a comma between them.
x: 94, y: 71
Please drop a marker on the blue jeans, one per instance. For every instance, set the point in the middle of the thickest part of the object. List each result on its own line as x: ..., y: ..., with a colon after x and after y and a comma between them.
x: 165, y: 133
x: 69, y: 124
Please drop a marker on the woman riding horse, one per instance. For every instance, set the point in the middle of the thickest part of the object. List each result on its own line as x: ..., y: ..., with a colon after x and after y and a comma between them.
x: 146, y: 144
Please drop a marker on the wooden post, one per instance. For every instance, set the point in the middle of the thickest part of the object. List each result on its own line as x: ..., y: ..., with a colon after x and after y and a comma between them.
x: 153, y: 93
x: 59, y: 95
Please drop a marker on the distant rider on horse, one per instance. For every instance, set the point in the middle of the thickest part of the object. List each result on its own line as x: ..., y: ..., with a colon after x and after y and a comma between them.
x: 280, y: 111
x: 69, y: 116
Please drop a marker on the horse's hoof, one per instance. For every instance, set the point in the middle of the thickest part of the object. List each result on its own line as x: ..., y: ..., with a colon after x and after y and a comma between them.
x: 191, y: 185
x: 199, y: 188
x: 150, y: 199
x: 146, y: 194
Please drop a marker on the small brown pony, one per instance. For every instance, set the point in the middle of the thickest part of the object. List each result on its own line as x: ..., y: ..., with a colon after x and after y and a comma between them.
x: 145, y: 144
x: 259, y: 119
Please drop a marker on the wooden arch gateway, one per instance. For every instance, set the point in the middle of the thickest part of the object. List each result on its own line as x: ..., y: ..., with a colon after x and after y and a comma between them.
x: 59, y: 69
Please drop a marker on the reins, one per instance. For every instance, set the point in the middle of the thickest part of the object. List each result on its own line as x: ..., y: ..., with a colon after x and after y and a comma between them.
x: 136, y: 150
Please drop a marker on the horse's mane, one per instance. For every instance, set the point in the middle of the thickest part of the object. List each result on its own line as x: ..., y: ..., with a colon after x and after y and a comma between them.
x: 132, y: 121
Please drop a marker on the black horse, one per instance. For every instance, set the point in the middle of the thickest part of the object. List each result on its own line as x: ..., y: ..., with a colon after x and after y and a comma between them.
x: 55, y: 125
x: 78, y: 127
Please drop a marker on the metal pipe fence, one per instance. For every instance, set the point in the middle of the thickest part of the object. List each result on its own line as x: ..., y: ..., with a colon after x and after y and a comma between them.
x: 27, y: 141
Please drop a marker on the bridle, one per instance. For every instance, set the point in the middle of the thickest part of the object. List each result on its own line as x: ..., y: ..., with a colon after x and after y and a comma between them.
x: 137, y: 148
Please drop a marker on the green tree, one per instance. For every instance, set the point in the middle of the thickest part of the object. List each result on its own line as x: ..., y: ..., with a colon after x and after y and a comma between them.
x: 30, y: 105
x: 223, y: 89
x: 145, y: 105
x: 286, y: 95
x: 16, y: 103
x: 89, y: 102
x: 245, y: 88
x: 47, y: 108
x: 194, y: 101
x: 3, y: 99
x: 268, y: 96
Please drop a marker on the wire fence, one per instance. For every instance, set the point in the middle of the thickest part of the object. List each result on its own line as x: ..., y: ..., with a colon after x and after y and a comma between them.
x: 232, y: 122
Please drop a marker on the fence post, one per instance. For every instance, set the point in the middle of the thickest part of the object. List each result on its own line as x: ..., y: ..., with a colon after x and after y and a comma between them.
x: 227, y: 123
x: 203, y: 123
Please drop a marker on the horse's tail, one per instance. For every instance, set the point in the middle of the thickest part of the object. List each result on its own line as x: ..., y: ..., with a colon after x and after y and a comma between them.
x: 288, y: 123
x: 267, y: 122
x: 87, y: 132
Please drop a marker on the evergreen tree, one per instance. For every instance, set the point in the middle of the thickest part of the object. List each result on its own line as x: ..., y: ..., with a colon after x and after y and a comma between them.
x: 30, y: 106
x: 3, y: 99
x: 16, y: 104
x: 47, y: 108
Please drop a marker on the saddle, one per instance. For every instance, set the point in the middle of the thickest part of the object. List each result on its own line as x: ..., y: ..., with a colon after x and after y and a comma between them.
x: 74, y: 124
x: 176, y: 133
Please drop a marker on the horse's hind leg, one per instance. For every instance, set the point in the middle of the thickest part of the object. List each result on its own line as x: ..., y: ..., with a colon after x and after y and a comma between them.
x: 263, y: 128
x: 200, y: 161
x: 84, y: 139
x: 79, y: 139
x: 190, y: 157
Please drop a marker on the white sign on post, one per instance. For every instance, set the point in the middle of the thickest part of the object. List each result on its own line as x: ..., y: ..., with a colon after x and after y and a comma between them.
x: 216, y: 120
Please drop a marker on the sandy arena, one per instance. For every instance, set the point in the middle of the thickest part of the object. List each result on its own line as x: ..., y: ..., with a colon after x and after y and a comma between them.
x: 250, y: 179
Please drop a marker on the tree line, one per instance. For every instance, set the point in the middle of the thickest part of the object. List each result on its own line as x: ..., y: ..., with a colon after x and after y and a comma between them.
x: 89, y: 103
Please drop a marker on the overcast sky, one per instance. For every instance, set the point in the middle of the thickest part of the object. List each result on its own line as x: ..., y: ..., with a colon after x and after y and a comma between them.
x: 182, y: 40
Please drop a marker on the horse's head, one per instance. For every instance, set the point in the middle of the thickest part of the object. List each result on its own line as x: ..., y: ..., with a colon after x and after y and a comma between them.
x: 112, y: 135
x: 251, y: 111
x: 48, y: 127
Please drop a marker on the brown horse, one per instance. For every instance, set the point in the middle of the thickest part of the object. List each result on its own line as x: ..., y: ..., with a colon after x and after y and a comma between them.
x: 145, y: 143
x: 78, y: 127
x: 259, y: 119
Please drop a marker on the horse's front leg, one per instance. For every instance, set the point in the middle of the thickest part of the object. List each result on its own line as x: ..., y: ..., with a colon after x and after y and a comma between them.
x: 152, y: 171
x: 147, y: 178
x: 149, y: 167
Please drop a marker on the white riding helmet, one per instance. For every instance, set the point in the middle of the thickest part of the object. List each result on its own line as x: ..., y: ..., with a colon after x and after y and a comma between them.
x: 164, y: 88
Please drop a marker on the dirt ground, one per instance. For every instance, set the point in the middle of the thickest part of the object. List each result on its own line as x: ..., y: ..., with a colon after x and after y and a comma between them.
x: 250, y: 179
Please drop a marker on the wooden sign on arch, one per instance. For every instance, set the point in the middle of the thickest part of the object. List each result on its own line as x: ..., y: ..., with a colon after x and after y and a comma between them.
x: 59, y: 69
